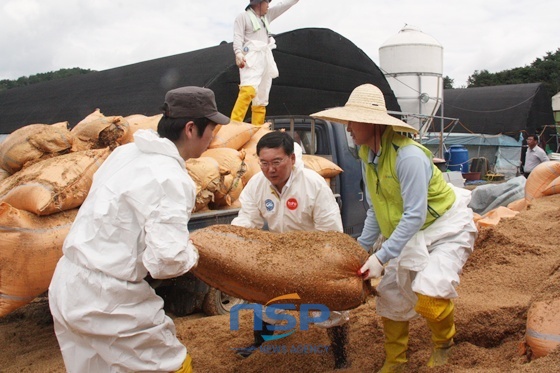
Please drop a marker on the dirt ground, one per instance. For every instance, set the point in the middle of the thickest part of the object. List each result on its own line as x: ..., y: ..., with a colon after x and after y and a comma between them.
x: 514, y: 264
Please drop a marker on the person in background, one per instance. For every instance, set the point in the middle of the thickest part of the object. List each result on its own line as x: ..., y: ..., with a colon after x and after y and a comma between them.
x: 289, y: 197
x: 252, y: 45
x: 133, y: 223
x: 428, y: 229
x: 535, y: 155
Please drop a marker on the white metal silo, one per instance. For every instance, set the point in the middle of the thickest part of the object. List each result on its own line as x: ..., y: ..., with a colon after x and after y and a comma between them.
x: 412, y: 62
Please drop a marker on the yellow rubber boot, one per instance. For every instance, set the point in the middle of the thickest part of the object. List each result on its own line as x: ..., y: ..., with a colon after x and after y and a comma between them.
x: 396, y: 345
x: 246, y: 95
x: 258, y: 115
x: 439, y: 314
x: 187, y: 365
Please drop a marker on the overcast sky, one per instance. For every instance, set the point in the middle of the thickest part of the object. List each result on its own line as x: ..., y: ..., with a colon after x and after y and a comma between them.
x: 46, y: 35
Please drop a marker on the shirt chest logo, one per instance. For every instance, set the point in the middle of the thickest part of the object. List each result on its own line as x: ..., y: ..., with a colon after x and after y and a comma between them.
x: 269, y: 205
x: 292, y: 204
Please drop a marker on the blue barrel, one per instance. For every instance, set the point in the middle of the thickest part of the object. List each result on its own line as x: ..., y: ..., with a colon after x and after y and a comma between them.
x: 457, y: 158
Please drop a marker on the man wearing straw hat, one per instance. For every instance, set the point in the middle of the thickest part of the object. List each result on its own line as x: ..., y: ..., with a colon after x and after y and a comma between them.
x: 253, y: 44
x: 428, y: 229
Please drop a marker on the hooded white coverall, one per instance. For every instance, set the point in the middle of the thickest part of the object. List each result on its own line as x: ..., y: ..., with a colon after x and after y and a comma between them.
x: 253, y: 40
x: 306, y: 203
x: 107, y: 318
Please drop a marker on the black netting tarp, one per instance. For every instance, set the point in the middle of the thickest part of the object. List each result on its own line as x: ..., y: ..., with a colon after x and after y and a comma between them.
x: 318, y: 69
x: 504, y: 109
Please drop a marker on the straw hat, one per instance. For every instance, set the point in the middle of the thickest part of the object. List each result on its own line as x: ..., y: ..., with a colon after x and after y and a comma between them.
x: 366, y: 104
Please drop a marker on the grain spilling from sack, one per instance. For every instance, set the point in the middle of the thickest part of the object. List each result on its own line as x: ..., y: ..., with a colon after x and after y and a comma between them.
x: 30, y: 247
x: 55, y: 184
x: 32, y: 143
x: 256, y: 265
x: 99, y: 132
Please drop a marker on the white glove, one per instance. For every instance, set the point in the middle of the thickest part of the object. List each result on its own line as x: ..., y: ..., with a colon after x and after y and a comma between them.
x: 240, y: 60
x: 372, y: 268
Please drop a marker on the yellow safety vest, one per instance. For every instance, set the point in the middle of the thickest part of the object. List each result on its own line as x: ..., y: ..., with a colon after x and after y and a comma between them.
x: 385, y: 190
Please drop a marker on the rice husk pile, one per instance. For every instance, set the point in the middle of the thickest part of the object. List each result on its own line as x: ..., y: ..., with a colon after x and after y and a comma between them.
x: 515, y: 263
x: 256, y: 265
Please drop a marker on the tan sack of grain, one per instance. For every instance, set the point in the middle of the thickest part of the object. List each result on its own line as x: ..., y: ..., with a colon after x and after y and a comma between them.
x: 97, y: 131
x: 251, y: 158
x: 232, y: 161
x: 55, y: 184
x: 140, y: 122
x: 207, y: 175
x: 228, y: 192
x: 256, y: 265
x: 234, y: 135
x: 543, y: 327
x: 321, y: 165
x: 34, y: 142
x: 552, y: 188
x: 540, y: 178
x: 30, y: 247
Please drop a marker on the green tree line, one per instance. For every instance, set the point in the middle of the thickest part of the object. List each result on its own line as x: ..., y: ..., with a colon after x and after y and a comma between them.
x: 41, y: 77
x: 544, y: 70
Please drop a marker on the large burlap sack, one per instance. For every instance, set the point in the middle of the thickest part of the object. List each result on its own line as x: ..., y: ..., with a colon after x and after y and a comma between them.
x: 321, y: 165
x: 540, y: 178
x: 55, y: 184
x: 543, y: 327
x: 207, y: 175
x: 251, y: 158
x: 228, y: 192
x: 256, y: 265
x: 97, y: 131
x: 552, y: 188
x: 234, y: 135
x: 30, y: 247
x: 232, y: 161
x: 34, y: 142
x: 140, y: 122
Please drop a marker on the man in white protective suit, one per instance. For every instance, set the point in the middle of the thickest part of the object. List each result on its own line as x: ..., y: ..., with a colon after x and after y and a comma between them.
x: 133, y: 223
x: 427, y: 224
x: 253, y: 44
x: 289, y: 197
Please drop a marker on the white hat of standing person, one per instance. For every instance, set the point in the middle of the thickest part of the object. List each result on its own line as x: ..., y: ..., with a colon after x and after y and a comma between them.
x: 366, y: 104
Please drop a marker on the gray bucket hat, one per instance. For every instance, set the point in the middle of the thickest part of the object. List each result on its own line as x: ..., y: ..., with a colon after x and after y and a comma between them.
x: 193, y: 102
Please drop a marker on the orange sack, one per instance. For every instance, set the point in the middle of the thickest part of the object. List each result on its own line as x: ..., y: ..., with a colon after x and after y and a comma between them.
x: 30, y: 247
x: 256, y: 265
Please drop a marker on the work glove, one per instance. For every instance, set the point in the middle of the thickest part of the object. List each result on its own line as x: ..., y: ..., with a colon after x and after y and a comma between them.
x: 240, y: 60
x: 371, y: 269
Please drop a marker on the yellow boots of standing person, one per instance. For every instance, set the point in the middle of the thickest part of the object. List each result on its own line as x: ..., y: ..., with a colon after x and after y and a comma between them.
x: 246, y: 95
x: 439, y: 314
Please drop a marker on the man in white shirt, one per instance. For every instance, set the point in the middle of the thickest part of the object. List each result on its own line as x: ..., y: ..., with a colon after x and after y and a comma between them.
x: 289, y: 197
x: 535, y: 155
x: 133, y: 222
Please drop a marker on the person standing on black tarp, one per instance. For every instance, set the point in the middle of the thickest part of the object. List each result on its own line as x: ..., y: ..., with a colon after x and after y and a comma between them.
x: 535, y: 155
x: 253, y: 45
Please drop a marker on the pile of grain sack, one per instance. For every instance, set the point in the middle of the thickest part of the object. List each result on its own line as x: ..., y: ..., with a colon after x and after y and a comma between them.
x: 46, y: 171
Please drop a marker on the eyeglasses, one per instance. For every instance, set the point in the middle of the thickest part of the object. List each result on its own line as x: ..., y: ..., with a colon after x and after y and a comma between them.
x: 275, y: 163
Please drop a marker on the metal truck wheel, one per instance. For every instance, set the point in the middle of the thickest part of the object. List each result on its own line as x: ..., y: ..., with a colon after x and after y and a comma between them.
x: 218, y: 303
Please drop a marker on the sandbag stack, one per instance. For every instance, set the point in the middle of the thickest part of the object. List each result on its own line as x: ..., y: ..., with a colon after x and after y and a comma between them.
x: 46, y: 171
